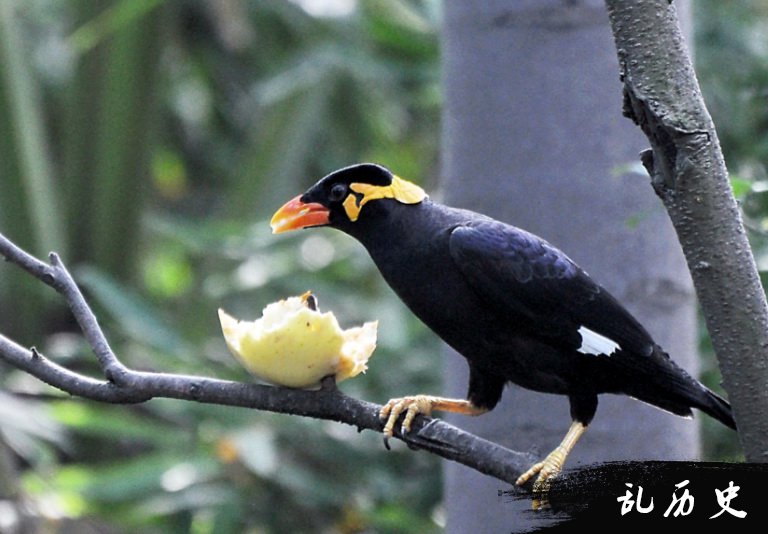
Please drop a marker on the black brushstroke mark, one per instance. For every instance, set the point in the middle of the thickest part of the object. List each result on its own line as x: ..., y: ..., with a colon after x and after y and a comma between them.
x: 588, y: 496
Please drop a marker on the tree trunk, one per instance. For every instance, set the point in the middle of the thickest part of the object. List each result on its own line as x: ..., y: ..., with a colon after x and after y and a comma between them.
x: 688, y: 173
x: 533, y: 135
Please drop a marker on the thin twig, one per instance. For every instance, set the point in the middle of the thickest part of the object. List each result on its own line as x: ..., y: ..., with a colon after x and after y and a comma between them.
x: 124, y: 385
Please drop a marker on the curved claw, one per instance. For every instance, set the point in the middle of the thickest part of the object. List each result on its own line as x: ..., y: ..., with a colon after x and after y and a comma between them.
x: 424, y: 405
x: 551, y: 466
x: 412, y: 406
x: 547, y: 471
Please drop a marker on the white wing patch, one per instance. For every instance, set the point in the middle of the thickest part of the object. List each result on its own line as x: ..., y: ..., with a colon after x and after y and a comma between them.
x: 596, y: 344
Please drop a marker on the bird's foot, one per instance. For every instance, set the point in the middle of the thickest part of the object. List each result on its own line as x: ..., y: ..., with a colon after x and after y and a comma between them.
x: 422, y: 404
x: 546, y: 470
x: 411, y: 405
x: 551, y: 466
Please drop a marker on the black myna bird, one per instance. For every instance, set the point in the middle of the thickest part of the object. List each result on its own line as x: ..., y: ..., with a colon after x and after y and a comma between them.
x: 517, y: 308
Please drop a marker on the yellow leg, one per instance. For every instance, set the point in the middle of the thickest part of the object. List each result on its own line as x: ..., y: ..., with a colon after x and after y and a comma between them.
x: 552, y: 464
x: 422, y: 404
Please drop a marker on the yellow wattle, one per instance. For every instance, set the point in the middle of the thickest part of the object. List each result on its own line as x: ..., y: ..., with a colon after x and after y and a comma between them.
x: 401, y: 190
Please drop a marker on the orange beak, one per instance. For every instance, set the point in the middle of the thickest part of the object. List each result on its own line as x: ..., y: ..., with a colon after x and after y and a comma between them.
x: 295, y: 214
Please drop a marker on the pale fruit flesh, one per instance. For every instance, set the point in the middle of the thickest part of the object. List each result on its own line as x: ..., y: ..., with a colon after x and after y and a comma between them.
x: 295, y: 345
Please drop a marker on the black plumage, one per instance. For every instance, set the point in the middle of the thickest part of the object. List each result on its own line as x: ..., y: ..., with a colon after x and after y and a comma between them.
x: 517, y: 308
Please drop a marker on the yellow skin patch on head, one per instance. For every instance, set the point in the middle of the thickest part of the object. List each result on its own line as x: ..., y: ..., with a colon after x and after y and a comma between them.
x: 401, y: 190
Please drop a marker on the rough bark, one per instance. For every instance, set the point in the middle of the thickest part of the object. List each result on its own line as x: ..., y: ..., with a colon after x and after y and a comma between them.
x: 662, y: 96
x: 533, y: 136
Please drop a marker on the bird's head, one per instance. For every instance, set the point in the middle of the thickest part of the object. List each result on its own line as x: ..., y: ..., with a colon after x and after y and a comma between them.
x: 346, y: 198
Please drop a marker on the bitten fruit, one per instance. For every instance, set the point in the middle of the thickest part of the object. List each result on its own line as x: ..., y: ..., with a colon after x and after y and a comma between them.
x: 295, y: 345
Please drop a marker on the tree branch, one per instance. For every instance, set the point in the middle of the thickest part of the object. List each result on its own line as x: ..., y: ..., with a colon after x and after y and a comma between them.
x: 688, y: 173
x: 124, y: 385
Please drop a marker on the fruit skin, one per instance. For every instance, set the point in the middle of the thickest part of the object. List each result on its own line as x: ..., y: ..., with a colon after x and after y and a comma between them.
x: 296, y: 346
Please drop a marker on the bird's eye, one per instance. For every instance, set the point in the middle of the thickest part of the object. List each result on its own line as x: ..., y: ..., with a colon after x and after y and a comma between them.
x: 337, y: 192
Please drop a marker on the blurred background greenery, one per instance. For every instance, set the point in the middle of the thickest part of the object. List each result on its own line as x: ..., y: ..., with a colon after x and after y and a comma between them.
x: 149, y: 141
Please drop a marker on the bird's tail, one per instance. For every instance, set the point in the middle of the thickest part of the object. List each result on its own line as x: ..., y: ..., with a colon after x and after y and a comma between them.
x: 671, y: 388
x: 716, y: 406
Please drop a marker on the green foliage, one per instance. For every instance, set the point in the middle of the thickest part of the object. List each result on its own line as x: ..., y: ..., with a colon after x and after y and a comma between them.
x: 176, y: 128
x: 733, y: 68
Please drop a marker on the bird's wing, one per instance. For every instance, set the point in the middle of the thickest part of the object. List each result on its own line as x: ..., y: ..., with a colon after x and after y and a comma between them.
x: 530, y: 281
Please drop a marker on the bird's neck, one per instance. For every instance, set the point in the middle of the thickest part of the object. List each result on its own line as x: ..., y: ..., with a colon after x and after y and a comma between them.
x: 404, y: 233
x: 389, y: 226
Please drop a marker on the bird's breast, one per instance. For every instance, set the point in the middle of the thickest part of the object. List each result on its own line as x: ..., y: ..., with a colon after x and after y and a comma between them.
x: 434, y: 289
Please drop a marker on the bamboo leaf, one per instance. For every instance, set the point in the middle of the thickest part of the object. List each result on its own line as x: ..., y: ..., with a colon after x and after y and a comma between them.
x: 111, y: 20
x: 28, y: 130
x: 134, y: 314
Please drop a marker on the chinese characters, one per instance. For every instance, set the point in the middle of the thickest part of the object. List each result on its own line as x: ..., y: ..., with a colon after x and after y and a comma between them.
x: 682, y: 502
